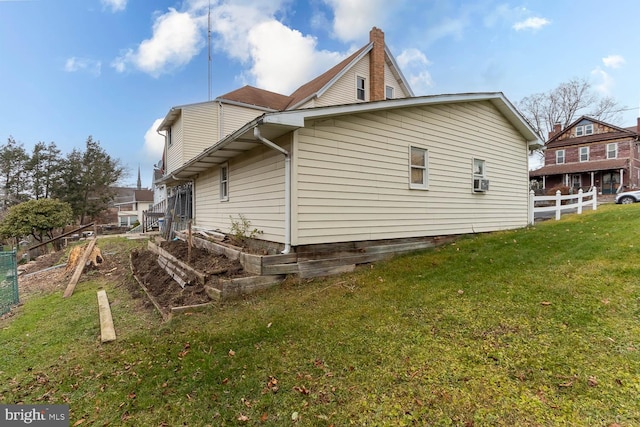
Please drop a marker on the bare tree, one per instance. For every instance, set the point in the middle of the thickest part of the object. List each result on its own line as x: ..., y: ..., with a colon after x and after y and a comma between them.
x: 566, y: 103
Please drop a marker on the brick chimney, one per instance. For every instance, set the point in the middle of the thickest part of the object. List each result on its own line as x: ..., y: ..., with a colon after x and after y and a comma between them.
x: 376, y: 65
x: 557, y: 127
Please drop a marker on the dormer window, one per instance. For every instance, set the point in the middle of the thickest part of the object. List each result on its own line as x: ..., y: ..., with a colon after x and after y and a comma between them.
x: 360, y: 88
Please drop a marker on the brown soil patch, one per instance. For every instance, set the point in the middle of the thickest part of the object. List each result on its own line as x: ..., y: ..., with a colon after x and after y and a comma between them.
x: 167, y: 292
x: 36, y: 277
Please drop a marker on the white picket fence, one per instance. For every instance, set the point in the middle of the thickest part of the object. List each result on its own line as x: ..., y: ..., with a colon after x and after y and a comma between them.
x: 574, y: 202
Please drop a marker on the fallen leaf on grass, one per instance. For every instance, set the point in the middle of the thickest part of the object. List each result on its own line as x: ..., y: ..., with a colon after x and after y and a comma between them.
x: 545, y: 303
x: 232, y: 353
x: 301, y: 390
x: 272, y: 385
x: 592, y: 381
x: 77, y: 423
x: 567, y: 384
x: 243, y: 418
x: 264, y: 417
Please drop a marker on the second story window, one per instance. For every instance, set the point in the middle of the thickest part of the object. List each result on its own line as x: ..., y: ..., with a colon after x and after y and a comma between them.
x: 584, y: 154
x: 612, y: 150
x: 169, y: 141
x: 360, y: 88
x: 559, y: 157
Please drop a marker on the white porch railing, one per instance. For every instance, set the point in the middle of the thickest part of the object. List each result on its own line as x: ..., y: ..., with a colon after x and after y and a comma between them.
x: 573, y: 201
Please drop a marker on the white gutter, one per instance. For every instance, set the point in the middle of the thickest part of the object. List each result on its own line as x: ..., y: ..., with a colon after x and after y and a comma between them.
x: 287, y: 187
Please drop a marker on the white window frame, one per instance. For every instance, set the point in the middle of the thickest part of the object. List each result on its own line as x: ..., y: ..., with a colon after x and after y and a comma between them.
x: 389, y: 92
x: 424, y: 185
x: 224, y: 182
x: 560, y: 155
x: 169, y: 137
x: 361, y: 92
x: 612, y: 150
x: 584, y: 152
x: 588, y: 129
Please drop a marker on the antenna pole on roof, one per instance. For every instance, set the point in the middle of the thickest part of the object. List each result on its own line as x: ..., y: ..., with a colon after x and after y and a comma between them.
x: 209, y: 48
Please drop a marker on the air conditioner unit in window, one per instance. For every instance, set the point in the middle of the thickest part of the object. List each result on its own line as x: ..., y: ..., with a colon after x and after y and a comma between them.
x: 480, y: 185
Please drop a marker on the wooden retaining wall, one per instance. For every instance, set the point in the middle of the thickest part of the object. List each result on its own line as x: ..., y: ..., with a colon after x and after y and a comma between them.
x: 319, y: 260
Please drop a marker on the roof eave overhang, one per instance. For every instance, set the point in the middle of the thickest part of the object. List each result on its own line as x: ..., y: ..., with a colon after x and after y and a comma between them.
x: 231, y: 146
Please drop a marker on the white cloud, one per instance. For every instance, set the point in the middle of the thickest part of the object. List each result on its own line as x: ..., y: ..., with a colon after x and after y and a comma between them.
x: 414, y: 65
x: 613, y: 61
x: 605, y: 86
x: 232, y: 23
x: 533, y: 23
x: 154, y: 142
x: 115, y: 5
x: 177, y: 38
x: 275, y: 57
x: 303, y: 61
x: 353, y: 19
x: 91, y: 66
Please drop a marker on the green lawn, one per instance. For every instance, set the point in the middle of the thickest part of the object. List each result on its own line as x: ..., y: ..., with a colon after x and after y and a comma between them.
x: 534, y: 327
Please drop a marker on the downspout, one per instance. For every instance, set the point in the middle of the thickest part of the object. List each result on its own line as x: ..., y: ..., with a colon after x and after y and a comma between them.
x: 287, y: 187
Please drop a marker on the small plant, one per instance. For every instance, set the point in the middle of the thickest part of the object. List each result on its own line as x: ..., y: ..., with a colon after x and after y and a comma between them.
x: 241, y: 229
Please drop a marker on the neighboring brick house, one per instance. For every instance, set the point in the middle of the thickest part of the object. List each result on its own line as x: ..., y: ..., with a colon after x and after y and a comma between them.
x: 590, y: 153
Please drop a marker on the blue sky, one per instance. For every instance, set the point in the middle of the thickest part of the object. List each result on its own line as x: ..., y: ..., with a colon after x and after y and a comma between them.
x: 113, y: 68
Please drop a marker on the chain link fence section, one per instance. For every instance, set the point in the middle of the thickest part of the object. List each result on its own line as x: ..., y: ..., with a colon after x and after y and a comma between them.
x: 9, y: 283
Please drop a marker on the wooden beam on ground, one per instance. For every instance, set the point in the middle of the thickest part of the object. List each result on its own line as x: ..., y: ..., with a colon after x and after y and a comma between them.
x: 79, y: 268
x: 107, y: 331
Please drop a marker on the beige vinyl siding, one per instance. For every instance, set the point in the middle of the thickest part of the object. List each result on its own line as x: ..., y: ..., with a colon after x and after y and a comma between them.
x: 234, y: 117
x: 352, y: 175
x: 200, y: 128
x: 390, y: 80
x: 175, y: 157
x: 256, y: 190
x: 343, y: 91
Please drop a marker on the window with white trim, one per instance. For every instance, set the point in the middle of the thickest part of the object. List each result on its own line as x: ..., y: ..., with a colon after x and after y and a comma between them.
x: 224, y: 182
x: 418, y: 168
x: 169, y: 139
x: 612, y: 150
x: 584, y: 154
x: 559, y: 157
x: 584, y: 129
x: 361, y: 93
x: 388, y: 92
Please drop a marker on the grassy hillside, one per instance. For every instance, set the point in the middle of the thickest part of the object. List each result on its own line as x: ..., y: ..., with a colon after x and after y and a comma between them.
x: 539, y: 326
